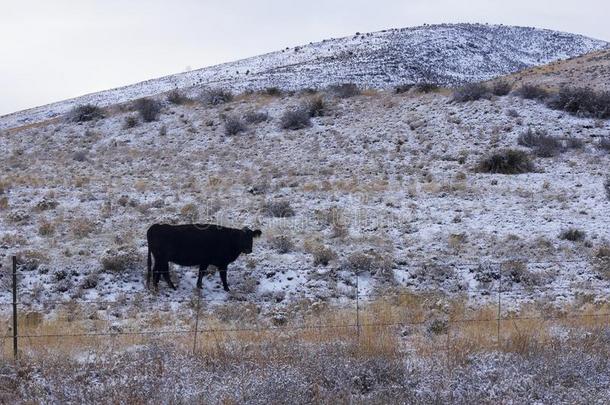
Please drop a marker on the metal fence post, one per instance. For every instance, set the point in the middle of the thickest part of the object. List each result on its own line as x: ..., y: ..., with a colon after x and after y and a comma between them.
x: 197, y: 321
x: 358, y: 305
x: 15, y: 334
x: 499, y: 303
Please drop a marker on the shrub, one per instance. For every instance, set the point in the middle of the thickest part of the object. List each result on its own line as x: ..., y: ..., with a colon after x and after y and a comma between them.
x: 322, y: 255
x: 510, y: 161
x: 403, y: 88
x: 438, y: 327
x: 471, y: 92
x: 583, y: 102
x: 543, y: 145
x: 30, y: 260
x: 315, y: 106
x: 256, y: 117
x: 501, y: 88
x: 272, y: 91
x: 278, y: 209
x: 572, y: 234
x: 295, y: 119
x: 234, y: 125
x: 532, y: 92
x: 282, y: 244
x: 119, y: 260
x: 517, y: 272
x: 130, y: 121
x: 148, y: 108
x: 177, y: 97
x: 90, y: 281
x: 603, y: 252
x: 60, y: 274
x: 46, y: 228
x: 216, y: 96
x: 360, y: 262
x: 371, y: 262
x: 604, y: 144
x: 46, y: 204
x: 87, y: 112
x: 425, y: 87
x: 82, y: 227
x: 345, y: 90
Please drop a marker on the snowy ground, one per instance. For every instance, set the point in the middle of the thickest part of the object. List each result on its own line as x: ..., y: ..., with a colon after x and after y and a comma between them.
x: 388, y: 176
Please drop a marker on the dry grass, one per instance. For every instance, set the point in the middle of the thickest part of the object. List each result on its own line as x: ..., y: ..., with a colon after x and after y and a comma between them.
x: 387, y: 326
x: 394, y: 331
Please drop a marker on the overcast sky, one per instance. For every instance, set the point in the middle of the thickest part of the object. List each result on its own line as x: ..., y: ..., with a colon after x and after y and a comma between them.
x: 53, y: 50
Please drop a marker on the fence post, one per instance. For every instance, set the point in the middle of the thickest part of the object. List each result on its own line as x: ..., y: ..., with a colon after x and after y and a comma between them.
x: 15, y: 334
x: 358, y: 305
x: 197, y: 320
x: 499, y: 303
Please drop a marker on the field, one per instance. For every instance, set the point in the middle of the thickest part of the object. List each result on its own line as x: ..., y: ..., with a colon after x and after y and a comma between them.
x: 385, y: 243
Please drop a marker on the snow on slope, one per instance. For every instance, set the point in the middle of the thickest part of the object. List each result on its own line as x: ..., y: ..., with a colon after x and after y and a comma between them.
x: 399, y: 168
x: 446, y: 54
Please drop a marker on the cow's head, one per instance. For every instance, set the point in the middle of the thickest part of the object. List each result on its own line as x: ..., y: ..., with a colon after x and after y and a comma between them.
x: 247, y: 236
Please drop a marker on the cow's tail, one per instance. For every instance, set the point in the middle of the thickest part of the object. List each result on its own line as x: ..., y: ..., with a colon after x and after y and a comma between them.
x: 149, y: 268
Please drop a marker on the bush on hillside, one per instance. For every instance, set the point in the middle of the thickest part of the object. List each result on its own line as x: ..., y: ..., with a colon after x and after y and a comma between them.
x: 282, y: 244
x: 256, y: 117
x: 532, y: 92
x: 130, y: 121
x: 544, y: 145
x: 148, y: 108
x: 177, y: 97
x: 345, y: 90
x: 278, y: 209
x: 295, y: 119
x: 425, y: 87
x: 572, y: 234
x: 583, y: 102
x: 315, y: 106
x: 272, y: 91
x: 87, y: 112
x: 509, y: 161
x: 234, y: 125
x: 471, y: 92
x: 501, y: 88
x: 216, y: 96
x: 403, y: 88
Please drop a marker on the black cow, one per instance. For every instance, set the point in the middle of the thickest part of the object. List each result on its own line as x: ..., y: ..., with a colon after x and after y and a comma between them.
x: 196, y: 245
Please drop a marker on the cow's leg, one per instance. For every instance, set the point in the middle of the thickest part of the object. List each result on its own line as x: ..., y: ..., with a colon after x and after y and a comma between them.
x: 158, y: 268
x: 167, y: 278
x: 202, y: 269
x: 223, y: 277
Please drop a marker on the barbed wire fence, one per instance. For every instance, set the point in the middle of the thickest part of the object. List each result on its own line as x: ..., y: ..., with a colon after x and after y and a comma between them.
x: 504, y: 292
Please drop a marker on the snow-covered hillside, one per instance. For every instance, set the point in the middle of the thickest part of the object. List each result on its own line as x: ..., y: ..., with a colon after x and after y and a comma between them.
x: 445, y: 54
x: 381, y: 184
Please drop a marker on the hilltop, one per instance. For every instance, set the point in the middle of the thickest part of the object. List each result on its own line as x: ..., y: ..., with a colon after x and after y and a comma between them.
x: 446, y: 54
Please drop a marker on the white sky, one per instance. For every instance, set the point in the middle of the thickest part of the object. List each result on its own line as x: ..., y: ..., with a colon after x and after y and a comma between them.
x: 56, y: 49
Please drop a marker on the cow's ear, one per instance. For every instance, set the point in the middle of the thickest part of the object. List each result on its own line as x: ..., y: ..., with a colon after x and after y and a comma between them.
x: 257, y: 233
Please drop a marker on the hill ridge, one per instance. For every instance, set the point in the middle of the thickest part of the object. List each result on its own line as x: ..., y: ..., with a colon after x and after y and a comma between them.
x: 448, y: 54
